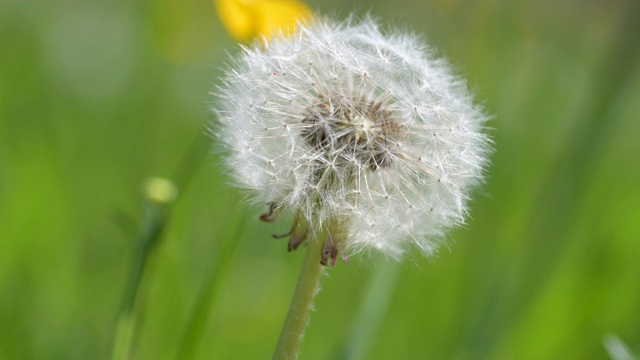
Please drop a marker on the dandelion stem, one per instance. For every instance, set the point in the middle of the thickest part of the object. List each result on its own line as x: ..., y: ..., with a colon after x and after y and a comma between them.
x: 298, y: 316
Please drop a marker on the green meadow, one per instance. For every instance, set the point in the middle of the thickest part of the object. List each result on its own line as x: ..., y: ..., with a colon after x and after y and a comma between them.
x: 97, y: 97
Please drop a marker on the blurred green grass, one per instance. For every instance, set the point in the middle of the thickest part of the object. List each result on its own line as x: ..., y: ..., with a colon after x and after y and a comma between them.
x: 97, y: 97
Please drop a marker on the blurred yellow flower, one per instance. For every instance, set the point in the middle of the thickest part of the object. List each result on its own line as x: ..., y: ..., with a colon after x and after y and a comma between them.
x: 248, y: 19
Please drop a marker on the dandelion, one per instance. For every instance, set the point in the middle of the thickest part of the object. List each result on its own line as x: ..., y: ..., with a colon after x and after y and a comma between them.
x: 366, y: 139
x: 365, y: 135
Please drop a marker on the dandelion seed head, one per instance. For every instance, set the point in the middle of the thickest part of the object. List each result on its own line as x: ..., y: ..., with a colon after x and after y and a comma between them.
x: 342, y: 121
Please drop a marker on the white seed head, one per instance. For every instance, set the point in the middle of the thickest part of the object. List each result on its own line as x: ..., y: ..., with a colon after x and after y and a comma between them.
x: 344, y: 123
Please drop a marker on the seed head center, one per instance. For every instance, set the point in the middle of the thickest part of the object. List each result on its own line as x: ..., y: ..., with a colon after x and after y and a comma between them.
x: 353, y: 130
x: 363, y: 126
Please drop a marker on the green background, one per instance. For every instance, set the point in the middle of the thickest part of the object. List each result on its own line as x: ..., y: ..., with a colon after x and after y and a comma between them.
x: 95, y: 97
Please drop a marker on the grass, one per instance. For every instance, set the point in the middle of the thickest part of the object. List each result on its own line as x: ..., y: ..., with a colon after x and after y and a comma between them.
x: 94, y: 99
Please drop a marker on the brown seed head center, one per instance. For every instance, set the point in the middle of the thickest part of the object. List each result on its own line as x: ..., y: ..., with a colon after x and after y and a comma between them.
x: 354, y: 130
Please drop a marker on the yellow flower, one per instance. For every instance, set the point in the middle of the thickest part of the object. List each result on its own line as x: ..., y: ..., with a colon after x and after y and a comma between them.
x: 248, y: 19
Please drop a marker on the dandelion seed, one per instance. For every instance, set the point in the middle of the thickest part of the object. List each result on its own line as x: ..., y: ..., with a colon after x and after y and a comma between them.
x: 362, y: 134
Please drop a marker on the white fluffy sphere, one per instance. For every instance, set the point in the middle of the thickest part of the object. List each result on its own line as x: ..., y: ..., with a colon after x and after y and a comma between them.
x: 353, y: 129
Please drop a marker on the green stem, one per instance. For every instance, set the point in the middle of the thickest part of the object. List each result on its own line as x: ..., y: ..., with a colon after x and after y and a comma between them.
x: 147, y: 237
x: 298, y: 316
